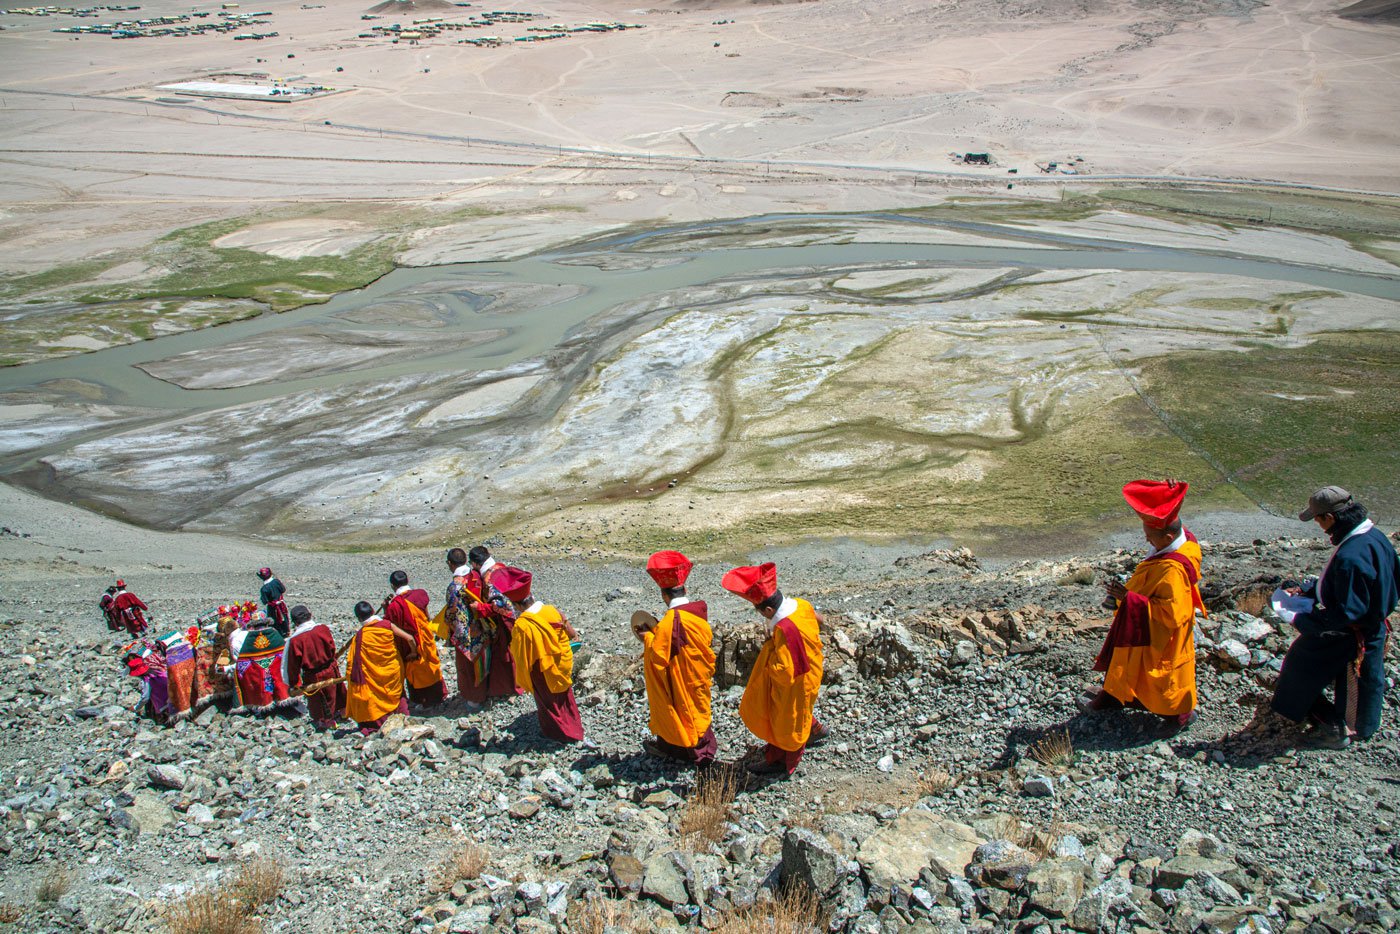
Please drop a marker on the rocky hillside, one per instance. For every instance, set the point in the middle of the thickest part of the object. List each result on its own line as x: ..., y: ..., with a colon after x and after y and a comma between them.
x: 959, y: 790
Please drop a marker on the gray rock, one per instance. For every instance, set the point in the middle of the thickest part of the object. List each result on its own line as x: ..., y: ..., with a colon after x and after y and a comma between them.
x: 811, y: 861
x: 663, y: 881
x: 1102, y: 906
x: 471, y: 920
x: 1177, y: 871
x: 148, y: 814
x: 915, y: 840
x: 1039, y: 786
x: 1054, y: 886
x: 890, y: 651
x: 200, y: 814
x: 166, y: 776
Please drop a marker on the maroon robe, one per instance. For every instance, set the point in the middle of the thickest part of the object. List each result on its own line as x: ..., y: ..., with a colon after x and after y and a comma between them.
x: 129, y: 609
x: 398, y: 614
x: 310, y: 659
x: 558, y: 712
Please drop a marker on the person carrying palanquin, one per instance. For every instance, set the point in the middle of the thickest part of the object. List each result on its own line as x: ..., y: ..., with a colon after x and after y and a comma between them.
x: 271, y: 596
x: 479, y: 618
x: 678, y: 664
x: 255, y: 649
x: 130, y: 610
x: 544, y: 658
x: 310, y: 659
x: 376, y: 658
x: 107, y: 603
x: 1149, y: 656
x: 407, y: 608
x: 1342, y: 637
x: 782, y: 690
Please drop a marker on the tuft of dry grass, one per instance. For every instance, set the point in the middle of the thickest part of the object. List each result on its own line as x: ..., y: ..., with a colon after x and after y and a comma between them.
x: 707, y: 809
x: 230, y: 908
x: 53, y: 886
x: 467, y: 861
x: 1054, y: 750
x: 599, y: 915
x: 257, y: 883
x: 792, y: 912
x: 211, y: 911
x: 9, y: 913
x: 1081, y: 575
x: 934, y: 781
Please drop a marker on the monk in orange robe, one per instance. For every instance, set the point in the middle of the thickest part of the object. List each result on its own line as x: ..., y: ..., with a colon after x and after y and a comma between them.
x: 407, y: 609
x: 679, y: 666
x: 1149, y: 656
x: 782, y: 690
x: 544, y: 657
x: 377, y: 655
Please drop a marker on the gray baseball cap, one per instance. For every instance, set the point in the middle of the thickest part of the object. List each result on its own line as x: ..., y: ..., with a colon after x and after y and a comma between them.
x: 1328, y: 499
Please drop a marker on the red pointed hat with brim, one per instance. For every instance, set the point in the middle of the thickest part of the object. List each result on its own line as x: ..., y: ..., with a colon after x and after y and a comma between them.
x: 669, y: 568
x: 1157, y: 502
x: 753, y: 584
x: 514, y: 583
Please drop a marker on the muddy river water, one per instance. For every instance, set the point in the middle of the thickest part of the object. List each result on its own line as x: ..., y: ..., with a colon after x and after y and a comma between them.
x: 599, y: 284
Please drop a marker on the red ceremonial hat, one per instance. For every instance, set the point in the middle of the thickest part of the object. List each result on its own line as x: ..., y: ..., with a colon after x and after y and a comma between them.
x: 753, y: 584
x: 514, y: 583
x: 264, y: 573
x: 121, y: 583
x: 669, y: 568
x: 1157, y: 501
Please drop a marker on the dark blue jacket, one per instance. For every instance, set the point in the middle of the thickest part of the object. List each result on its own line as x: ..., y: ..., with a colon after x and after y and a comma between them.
x: 1359, y: 588
x: 272, y: 591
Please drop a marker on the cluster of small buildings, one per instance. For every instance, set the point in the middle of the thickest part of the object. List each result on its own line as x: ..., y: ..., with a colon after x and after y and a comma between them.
x: 179, y: 25
x: 69, y: 11
x: 436, y: 26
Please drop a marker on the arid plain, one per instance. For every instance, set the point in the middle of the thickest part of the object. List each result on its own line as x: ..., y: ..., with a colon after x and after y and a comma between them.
x: 942, y: 350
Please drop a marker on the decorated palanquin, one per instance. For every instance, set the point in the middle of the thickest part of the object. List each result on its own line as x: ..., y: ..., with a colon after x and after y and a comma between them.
x: 258, y: 677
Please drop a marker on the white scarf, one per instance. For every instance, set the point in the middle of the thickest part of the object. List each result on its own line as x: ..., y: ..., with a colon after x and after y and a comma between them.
x: 785, y: 609
x: 1175, y: 545
x: 679, y: 601
x: 487, y: 565
x: 462, y: 571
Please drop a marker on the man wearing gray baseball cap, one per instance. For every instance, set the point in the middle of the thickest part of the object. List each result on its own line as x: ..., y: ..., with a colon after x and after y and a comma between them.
x: 1342, y: 638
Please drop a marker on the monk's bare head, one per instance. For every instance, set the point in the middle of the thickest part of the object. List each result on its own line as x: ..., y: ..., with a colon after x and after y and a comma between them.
x: 478, y: 556
x: 769, y: 608
x: 1161, y: 538
x: 456, y: 558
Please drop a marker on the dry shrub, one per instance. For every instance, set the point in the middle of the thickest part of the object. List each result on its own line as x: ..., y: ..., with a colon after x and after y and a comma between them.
x: 707, y: 810
x: 1054, y: 750
x: 256, y: 884
x: 1253, y: 602
x: 1081, y: 575
x: 9, y: 914
x: 467, y: 861
x: 53, y: 886
x: 793, y: 912
x: 597, y: 915
x: 211, y: 911
x: 934, y: 781
x: 230, y: 908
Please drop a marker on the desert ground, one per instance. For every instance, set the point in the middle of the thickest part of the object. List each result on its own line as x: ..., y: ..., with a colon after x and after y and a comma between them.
x: 716, y: 282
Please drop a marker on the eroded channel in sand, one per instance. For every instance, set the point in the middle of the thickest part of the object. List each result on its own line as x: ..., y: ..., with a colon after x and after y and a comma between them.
x: 818, y: 382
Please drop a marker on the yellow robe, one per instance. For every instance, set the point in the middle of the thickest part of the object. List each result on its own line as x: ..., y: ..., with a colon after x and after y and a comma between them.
x: 537, y: 640
x: 1161, y: 676
x: 376, y: 654
x: 427, y: 669
x: 777, y: 704
x: 678, y: 683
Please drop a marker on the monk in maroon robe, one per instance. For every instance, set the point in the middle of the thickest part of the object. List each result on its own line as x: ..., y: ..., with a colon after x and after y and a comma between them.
x: 130, y: 610
x: 310, y: 658
x: 407, y: 609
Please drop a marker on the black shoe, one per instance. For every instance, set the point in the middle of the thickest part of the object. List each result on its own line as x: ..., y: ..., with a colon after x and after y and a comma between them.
x: 767, y: 768
x: 1327, y: 735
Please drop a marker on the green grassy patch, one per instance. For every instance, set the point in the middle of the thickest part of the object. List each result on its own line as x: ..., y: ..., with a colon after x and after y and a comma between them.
x: 1296, y: 418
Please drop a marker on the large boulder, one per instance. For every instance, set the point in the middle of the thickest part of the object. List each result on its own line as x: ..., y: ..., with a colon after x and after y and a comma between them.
x: 738, y: 652
x: 1175, y: 872
x: 914, y: 841
x: 1055, y: 886
x: 663, y: 881
x: 811, y: 861
x: 890, y: 651
x: 1100, y: 909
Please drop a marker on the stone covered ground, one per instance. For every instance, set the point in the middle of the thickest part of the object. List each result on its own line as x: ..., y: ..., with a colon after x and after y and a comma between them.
x: 960, y: 789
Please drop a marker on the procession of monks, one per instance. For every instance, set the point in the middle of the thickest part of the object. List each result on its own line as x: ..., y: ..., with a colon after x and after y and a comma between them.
x: 507, y: 642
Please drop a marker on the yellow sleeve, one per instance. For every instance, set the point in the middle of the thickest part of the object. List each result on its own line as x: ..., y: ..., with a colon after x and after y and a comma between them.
x: 522, y: 650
